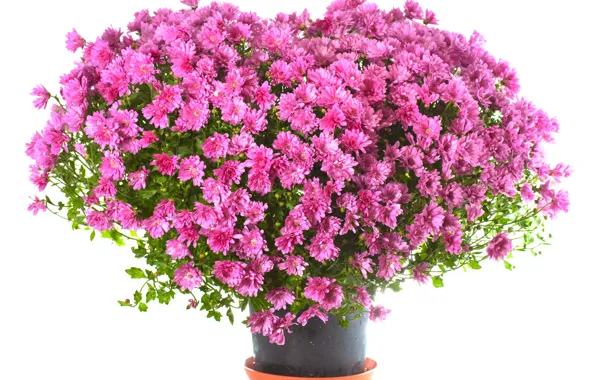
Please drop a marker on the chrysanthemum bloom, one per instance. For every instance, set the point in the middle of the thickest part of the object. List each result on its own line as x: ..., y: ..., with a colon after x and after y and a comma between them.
x: 311, y: 312
x: 74, y: 41
x: 378, y: 313
x: 112, y: 166
x: 192, y: 168
x: 187, y: 277
x: 262, y: 322
x: 280, y: 328
x: 166, y: 164
x: 280, y: 297
x: 229, y: 272
x: 294, y: 265
x: 177, y: 249
x: 499, y: 246
x: 420, y: 273
x: 42, y: 96
x: 138, y: 179
x: 37, y: 205
x: 363, y: 297
x: 216, y: 146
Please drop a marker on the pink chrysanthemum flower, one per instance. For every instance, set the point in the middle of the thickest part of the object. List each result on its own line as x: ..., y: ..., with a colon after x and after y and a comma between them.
x: 138, y: 179
x: 363, y: 297
x: 74, y: 41
x: 262, y: 322
x: 499, y: 246
x: 280, y: 298
x: 378, y: 313
x: 98, y: 220
x: 279, y: 329
x: 166, y: 164
x: 42, y: 96
x: 294, y: 265
x: 177, y: 249
x: 37, y: 205
x: 187, y: 277
x: 216, y: 146
x: 229, y: 272
x: 192, y: 168
x: 112, y: 166
x: 324, y: 291
x: 156, y: 226
x: 420, y: 273
x: 311, y: 312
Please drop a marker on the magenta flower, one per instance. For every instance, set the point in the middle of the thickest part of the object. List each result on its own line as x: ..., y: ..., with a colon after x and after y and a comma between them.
x: 280, y: 327
x: 324, y: 291
x: 42, y: 96
x: 322, y: 248
x: 294, y: 265
x: 156, y: 226
x: 166, y: 164
x: 37, y: 205
x: 187, y: 277
x: 389, y: 264
x: 105, y: 188
x: 98, y: 220
x: 363, y: 263
x: 363, y: 297
x: 311, y: 312
x: 192, y: 168
x: 74, y: 41
x: 420, y: 273
x: 526, y: 192
x: 220, y: 239
x: 252, y: 243
x: 229, y: 272
x: 378, y: 313
x: 280, y: 298
x: 141, y: 68
x: 216, y: 146
x: 230, y: 172
x: 499, y: 246
x: 177, y: 249
x: 262, y: 322
x: 112, y: 166
x: 138, y: 179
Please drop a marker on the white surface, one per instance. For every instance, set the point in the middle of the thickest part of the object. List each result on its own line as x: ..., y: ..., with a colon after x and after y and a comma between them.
x: 59, y: 315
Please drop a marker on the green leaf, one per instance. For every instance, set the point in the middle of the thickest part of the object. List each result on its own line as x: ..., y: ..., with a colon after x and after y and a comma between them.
x: 230, y: 315
x: 344, y: 322
x: 474, y: 265
x: 143, y: 307
x: 135, y: 273
x: 508, y: 265
x: 138, y: 296
x: 395, y: 286
x: 151, y: 295
x: 437, y: 282
x: 214, y: 314
x: 124, y: 303
x: 146, y: 193
x: 92, y: 235
x: 163, y: 296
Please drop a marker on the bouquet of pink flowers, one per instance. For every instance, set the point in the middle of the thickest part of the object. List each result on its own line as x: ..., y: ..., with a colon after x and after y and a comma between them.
x: 298, y: 165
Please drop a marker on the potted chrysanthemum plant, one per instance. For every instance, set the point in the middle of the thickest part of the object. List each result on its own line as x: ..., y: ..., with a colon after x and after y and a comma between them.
x: 296, y: 167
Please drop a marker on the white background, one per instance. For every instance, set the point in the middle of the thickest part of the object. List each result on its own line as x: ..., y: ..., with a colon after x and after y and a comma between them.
x: 58, y: 310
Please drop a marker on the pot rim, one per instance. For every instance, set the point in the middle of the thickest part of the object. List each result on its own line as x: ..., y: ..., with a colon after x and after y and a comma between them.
x: 369, y: 367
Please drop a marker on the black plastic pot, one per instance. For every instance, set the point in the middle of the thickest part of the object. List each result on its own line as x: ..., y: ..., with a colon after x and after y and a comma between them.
x: 315, y: 350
